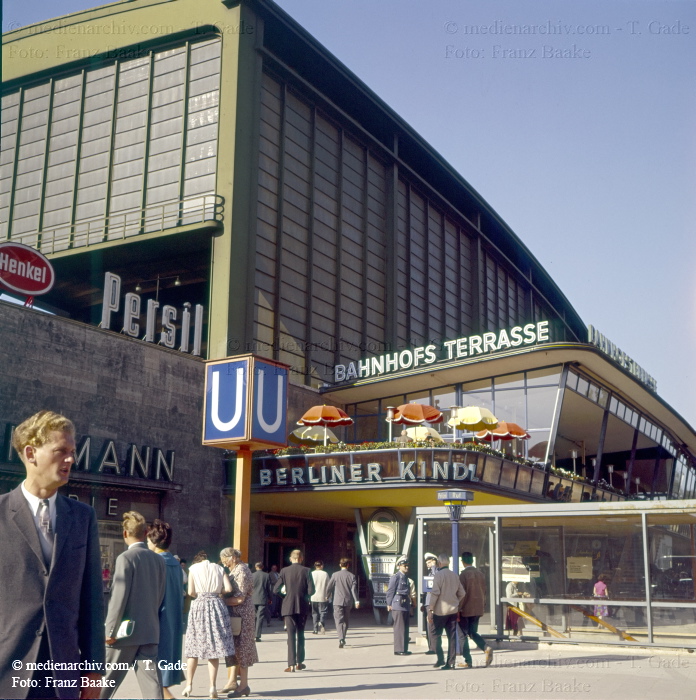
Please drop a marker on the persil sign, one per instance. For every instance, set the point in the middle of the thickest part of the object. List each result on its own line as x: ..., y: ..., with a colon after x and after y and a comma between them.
x: 25, y: 270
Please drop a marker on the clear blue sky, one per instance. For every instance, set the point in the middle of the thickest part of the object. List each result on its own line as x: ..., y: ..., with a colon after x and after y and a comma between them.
x: 582, y: 138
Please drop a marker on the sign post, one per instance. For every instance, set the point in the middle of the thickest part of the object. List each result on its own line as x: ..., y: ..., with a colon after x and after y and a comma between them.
x: 245, y: 409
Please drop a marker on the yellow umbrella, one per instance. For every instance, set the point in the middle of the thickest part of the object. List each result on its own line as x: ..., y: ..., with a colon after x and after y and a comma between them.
x: 311, y: 435
x: 472, y: 418
x: 422, y: 432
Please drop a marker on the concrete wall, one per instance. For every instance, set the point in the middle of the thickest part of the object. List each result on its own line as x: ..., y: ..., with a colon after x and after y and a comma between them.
x: 118, y: 388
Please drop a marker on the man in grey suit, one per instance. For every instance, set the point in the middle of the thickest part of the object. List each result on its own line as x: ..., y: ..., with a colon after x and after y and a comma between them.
x: 299, y: 587
x: 50, y: 568
x: 343, y: 592
x: 136, y: 594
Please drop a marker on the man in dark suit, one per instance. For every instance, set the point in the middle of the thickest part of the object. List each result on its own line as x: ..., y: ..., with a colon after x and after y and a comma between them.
x: 299, y: 587
x: 50, y: 568
x: 471, y: 608
x: 343, y: 591
x: 137, y: 592
x: 260, y: 595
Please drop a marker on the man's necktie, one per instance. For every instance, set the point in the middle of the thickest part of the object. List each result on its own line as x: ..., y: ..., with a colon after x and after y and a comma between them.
x: 45, y: 521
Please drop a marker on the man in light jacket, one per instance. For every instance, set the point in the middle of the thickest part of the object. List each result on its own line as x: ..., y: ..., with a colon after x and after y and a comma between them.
x: 443, y: 609
x: 318, y: 599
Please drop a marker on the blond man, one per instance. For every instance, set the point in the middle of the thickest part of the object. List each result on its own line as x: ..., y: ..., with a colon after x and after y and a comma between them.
x: 50, y: 567
x: 140, y: 578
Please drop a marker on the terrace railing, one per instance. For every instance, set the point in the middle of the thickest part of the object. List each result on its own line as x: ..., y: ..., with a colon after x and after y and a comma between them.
x: 422, y: 465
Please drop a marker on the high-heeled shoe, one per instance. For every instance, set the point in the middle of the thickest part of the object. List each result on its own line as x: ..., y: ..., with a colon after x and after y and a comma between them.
x: 213, y: 692
x: 239, y: 692
x: 187, y: 691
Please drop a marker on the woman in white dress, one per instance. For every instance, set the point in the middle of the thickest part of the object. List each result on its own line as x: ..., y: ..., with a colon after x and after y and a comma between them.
x: 209, y: 634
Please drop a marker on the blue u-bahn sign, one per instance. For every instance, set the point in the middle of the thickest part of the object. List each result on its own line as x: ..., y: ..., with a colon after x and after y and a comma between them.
x: 246, y: 403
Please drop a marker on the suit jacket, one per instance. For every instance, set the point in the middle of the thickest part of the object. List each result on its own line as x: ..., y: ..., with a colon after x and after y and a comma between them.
x: 473, y: 604
x: 261, y: 587
x: 299, y: 586
x: 446, y: 593
x: 137, y: 591
x: 343, y: 588
x: 66, y: 600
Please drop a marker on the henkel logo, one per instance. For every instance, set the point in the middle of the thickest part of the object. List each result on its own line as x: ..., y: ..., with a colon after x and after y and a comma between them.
x: 25, y: 270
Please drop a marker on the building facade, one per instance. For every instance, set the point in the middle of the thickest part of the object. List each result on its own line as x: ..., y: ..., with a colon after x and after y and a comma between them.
x: 207, y: 180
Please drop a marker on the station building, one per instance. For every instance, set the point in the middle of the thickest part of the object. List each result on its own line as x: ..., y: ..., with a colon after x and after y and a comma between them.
x: 207, y: 180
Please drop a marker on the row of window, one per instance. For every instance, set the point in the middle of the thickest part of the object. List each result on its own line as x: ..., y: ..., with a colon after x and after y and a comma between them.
x: 103, y: 144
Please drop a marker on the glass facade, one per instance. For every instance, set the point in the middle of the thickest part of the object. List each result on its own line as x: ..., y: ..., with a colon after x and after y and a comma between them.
x: 526, y: 398
x: 112, y: 151
x: 599, y: 439
x: 613, y: 577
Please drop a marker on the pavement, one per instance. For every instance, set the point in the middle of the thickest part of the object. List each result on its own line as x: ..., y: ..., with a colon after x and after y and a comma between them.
x: 367, y: 668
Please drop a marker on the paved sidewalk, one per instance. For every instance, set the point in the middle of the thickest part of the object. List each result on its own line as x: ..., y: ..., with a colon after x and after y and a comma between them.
x: 367, y: 668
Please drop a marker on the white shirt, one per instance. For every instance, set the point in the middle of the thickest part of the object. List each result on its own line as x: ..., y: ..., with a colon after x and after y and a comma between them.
x: 321, y: 581
x: 34, y: 503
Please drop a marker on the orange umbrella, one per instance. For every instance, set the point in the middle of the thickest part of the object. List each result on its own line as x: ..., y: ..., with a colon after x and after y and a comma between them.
x: 416, y: 414
x: 326, y: 416
x: 504, y: 431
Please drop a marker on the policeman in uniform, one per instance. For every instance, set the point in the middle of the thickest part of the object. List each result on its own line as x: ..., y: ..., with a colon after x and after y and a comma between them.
x: 401, y: 597
x: 431, y: 566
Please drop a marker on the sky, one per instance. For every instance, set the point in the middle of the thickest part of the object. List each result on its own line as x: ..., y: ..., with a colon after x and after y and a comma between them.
x: 574, y: 120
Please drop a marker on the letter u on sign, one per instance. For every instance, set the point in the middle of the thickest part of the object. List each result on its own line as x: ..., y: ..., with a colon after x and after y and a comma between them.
x: 270, y: 402
x: 226, y: 400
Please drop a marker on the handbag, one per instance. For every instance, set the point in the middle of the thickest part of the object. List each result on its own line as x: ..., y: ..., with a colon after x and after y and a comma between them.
x: 236, y: 625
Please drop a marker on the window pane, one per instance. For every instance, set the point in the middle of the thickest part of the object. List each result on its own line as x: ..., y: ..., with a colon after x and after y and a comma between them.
x: 541, y: 402
x: 509, y: 381
x: 538, y: 377
x: 510, y: 406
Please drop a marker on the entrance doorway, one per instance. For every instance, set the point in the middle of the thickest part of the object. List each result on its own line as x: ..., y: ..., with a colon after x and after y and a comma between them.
x: 280, y: 538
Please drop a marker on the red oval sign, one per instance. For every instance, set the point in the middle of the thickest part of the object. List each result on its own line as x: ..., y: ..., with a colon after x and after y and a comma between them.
x: 25, y: 270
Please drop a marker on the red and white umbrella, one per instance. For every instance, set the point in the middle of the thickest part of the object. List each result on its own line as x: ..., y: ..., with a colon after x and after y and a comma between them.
x: 504, y: 431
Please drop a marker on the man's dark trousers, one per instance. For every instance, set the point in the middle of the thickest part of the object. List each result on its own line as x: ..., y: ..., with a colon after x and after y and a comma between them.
x: 295, y: 625
x: 469, y: 628
x: 401, y: 619
x: 260, y: 617
x: 432, y: 636
x: 449, y: 624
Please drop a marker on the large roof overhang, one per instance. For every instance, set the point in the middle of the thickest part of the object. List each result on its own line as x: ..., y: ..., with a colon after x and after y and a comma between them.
x: 588, y: 358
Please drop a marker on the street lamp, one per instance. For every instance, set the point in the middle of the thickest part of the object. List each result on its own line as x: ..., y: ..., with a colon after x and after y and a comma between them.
x: 455, y: 501
x: 390, y: 418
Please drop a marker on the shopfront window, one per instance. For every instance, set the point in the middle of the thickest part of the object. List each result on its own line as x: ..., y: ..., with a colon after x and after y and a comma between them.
x: 564, y: 560
x: 672, y: 562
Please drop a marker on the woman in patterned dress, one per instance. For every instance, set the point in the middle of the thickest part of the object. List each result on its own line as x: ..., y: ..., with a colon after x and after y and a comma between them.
x: 209, y: 635
x: 245, y: 642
